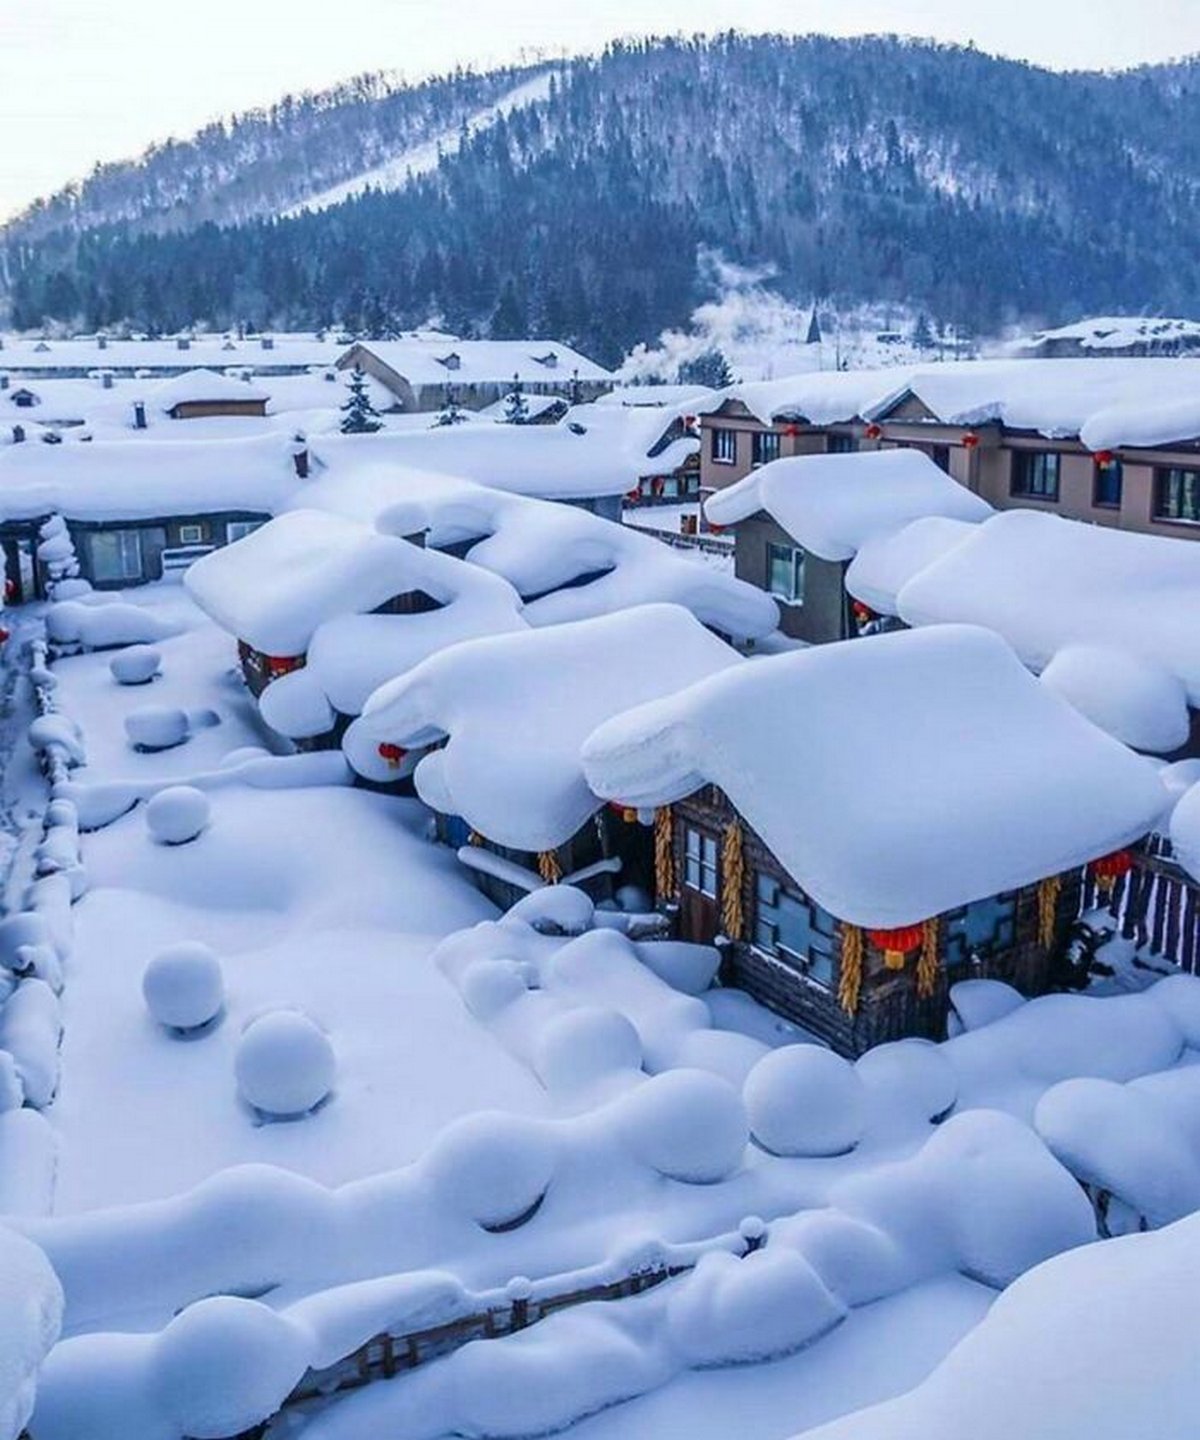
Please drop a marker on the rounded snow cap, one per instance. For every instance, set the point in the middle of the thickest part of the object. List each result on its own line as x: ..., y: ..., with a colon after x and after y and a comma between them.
x: 137, y: 665
x: 285, y: 1064
x: 805, y: 1100
x: 492, y: 1168
x: 178, y: 814
x: 183, y: 986
x: 686, y: 1124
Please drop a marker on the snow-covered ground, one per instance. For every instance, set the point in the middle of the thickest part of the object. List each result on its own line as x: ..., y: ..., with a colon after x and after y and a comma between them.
x: 534, y: 1095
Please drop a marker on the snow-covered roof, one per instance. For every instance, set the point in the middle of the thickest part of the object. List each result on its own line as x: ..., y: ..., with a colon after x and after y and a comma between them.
x: 675, y: 397
x: 142, y: 479
x: 896, y: 777
x: 1044, y: 582
x: 834, y: 504
x: 1055, y: 398
x: 423, y: 361
x: 275, y: 586
x: 887, y: 562
x: 516, y: 710
x: 1117, y: 332
x: 202, y: 387
x: 163, y: 356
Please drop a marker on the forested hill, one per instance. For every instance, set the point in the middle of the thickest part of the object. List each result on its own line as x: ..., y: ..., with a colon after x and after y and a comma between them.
x: 982, y: 190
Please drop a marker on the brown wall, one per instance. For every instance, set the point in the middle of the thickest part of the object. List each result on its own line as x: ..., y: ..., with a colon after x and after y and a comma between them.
x: 202, y: 409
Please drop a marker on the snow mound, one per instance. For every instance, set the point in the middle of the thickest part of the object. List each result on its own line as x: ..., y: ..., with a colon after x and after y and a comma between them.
x: 489, y: 986
x: 1138, y: 701
x: 285, y: 1064
x: 690, y: 969
x: 156, y: 727
x: 137, y: 665
x: 555, y: 910
x: 183, y: 986
x: 1179, y: 997
x: 31, y: 1306
x: 585, y: 1047
x: 60, y: 730
x: 767, y: 1304
x: 911, y: 1076
x: 104, y: 627
x: 178, y: 814
x: 805, y: 1100
x: 686, y: 1124
x: 224, y: 1364
x: 1185, y: 831
x: 976, y: 1003
x: 493, y: 1169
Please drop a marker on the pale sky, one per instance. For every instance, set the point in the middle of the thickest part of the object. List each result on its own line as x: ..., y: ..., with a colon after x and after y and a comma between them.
x: 89, y: 80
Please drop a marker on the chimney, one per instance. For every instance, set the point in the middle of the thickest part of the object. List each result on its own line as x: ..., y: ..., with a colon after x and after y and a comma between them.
x: 268, y: 342
x: 106, y: 379
x: 183, y: 343
x: 139, y: 414
x: 300, y: 455
x: 4, y: 380
x: 18, y: 434
x: 102, y: 342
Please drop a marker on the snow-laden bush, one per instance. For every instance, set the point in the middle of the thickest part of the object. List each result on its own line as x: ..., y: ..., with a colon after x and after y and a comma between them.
x: 805, y: 1100
x: 73, y: 589
x: 910, y: 1077
x: 178, y: 814
x: 285, y: 1064
x: 30, y: 1029
x: 489, y: 986
x: 31, y: 1307
x: 183, y: 986
x: 60, y: 730
x: 492, y: 1168
x: 225, y: 1364
x: 156, y: 727
x: 555, y: 910
x: 768, y: 1304
x: 103, y: 627
x: 686, y: 1124
x: 137, y: 665
x: 723, y: 1052
x: 12, y: 1091
x: 586, y: 1046
x: 18, y: 933
x: 976, y: 1003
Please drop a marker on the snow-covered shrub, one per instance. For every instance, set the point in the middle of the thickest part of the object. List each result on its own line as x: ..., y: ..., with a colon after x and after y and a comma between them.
x: 60, y: 730
x: 156, y: 727
x: 31, y: 1306
x: 857, y: 1261
x: 30, y: 1029
x: 489, y: 986
x: 722, y: 1052
x: 137, y: 665
x: 910, y: 1077
x: 555, y: 910
x: 12, y: 1091
x: 731, y: 1310
x: 74, y: 589
x: 224, y: 1365
x: 103, y: 627
x: 18, y: 934
x: 183, y: 986
x: 285, y: 1064
x: 805, y: 1100
x: 492, y: 1168
x: 585, y: 1047
x: 976, y: 1003
x: 177, y: 814
x: 686, y: 1124
x: 56, y: 551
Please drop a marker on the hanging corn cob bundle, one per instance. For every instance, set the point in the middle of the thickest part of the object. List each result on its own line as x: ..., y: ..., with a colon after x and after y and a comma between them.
x: 664, y: 853
x: 549, y: 868
x: 927, y: 962
x: 1048, y: 892
x: 733, y: 874
x: 850, y: 984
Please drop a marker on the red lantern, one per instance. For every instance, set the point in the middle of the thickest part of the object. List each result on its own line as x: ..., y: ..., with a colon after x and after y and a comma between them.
x: 970, y: 441
x: 625, y: 813
x: 393, y: 754
x: 896, y: 944
x: 862, y: 613
x: 632, y: 497
x: 791, y: 431
x: 1109, y: 869
x: 873, y: 432
x: 1104, y: 458
x: 689, y: 422
x: 278, y: 665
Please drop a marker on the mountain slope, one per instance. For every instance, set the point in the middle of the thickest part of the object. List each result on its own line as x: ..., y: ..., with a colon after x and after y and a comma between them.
x: 982, y: 190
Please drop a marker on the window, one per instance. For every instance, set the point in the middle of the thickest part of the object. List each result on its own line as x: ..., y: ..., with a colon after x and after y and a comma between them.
x: 940, y: 455
x: 1035, y: 474
x: 981, y: 929
x: 1106, y: 485
x: 116, y: 555
x: 239, y: 529
x: 700, y: 862
x: 724, y: 447
x: 785, y: 573
x: 790, y: 927
x: 838, y: 444
x: 1177, y: 496
x: 192, y: 535
x: 765, y: 447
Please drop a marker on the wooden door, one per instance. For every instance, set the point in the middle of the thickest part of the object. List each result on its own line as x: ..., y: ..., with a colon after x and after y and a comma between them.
x: 699, y: 910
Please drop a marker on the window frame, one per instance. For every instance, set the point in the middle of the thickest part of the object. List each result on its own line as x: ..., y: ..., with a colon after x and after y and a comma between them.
x: 701, y: 862
x: 128, y: 543
x: 724, y: 437
x: 839, y: 443
x: 1188, y: 478
x: 192, y: 534
x: 765, y: 439
x: 1030, y: 475
x: 245, y: 527
x: 818, y: 966
x: 1099, y: 472
x: 795, y: 558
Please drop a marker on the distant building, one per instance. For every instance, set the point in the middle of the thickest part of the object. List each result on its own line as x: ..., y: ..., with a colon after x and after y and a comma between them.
x: 1113, y: 337
x: 199, y: 394
x: 416, y: 370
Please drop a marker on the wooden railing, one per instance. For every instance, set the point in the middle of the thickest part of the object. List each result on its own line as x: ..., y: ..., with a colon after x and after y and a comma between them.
x: 1157, y: 905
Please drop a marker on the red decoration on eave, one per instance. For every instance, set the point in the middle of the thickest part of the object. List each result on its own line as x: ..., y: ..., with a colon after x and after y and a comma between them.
x: 634, y: 495
x: 689, y: 422
x: 1104, y: 457
x: 791, y: 431
x: 284, y: 664
x: 970, y: 441
x: 873, y: 432
x: 862, y: 612
x: 896, y: 944
x: 1110, y: 868
x: 627, y: 813
x: 393, y: 754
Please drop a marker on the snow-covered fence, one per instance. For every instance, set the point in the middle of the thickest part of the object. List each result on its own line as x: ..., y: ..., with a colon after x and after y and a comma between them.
x: 1157, y: 905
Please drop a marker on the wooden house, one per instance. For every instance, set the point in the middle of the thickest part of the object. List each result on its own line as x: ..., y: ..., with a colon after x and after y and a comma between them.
x: 496, y: 727
x: 202, y: 394
x: 862, y: 825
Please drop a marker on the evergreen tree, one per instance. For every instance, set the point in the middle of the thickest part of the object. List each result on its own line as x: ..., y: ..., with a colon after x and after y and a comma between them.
x: 710, y: 369
x: 451, y: 412
x: 922, y: 336
x: 516, y: 407
x: 359, y: 416
x: 814, y: 330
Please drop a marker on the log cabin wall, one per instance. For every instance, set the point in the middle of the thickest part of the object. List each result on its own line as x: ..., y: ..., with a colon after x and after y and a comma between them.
x: 889, y: 1005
